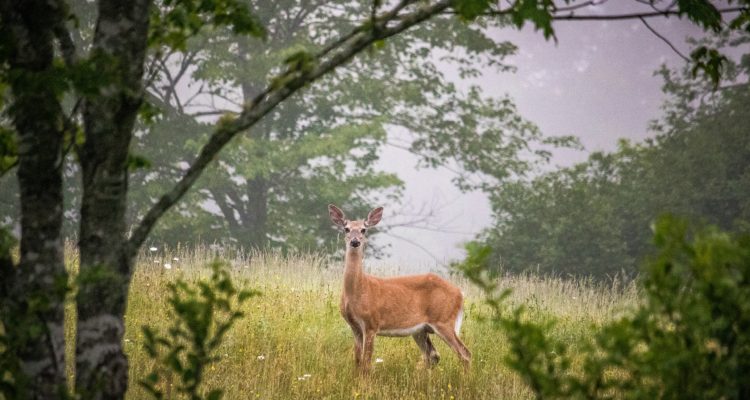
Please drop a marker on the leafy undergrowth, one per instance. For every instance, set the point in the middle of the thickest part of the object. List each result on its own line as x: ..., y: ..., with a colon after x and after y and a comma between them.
x: 292, y: 342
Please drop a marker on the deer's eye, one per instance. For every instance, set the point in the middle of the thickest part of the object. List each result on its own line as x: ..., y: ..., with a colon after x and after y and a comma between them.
x: 347, y: 230
x: 363, y: 230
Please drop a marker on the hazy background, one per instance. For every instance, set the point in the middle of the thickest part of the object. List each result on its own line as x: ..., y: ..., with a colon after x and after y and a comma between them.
x: 597, y: 82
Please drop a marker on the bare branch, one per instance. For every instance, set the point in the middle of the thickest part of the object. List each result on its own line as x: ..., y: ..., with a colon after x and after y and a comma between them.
x: 664, y: 39
x: 581, y: 5
x: 615, y: 17
x: 206, y: 113
x: 611, y: 17
x: 417, y: 245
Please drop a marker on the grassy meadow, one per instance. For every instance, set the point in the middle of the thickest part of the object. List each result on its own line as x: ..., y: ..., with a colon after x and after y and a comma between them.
x: 292, y: 342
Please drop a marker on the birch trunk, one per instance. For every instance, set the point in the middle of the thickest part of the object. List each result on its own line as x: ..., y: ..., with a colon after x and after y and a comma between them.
x: 32, y: 292
x: 106, y: 261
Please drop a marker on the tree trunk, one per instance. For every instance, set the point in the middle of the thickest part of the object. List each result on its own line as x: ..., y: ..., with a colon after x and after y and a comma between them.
x: 255, y: 215
x: 33, y: 292
x: 246, y: 220
x: 106, y: 261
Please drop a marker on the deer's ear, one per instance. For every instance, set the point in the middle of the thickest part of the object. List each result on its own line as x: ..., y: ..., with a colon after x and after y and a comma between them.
x: 374, y: 217
x: 337, y: 216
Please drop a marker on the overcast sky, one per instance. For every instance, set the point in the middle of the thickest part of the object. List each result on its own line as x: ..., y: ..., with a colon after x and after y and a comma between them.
x: 596, y: 83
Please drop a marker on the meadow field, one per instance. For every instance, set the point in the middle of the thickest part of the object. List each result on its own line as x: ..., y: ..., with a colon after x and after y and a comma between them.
x: 293, y: 344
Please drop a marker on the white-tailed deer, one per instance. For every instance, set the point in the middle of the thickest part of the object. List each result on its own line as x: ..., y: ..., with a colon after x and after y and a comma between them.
x: 415, y: 305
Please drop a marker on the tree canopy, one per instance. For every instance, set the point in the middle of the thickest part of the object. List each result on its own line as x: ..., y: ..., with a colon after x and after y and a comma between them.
x: 594, y: 218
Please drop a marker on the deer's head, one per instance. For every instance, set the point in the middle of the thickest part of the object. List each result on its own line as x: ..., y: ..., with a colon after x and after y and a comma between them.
x: 355, y: 232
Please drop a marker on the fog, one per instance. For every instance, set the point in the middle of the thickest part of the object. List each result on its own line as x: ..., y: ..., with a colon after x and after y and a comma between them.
x: 597, y: 82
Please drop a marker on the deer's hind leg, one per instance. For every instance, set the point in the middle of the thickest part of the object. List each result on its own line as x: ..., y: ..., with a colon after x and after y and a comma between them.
x: 447, y: 333
x: 429, y: 353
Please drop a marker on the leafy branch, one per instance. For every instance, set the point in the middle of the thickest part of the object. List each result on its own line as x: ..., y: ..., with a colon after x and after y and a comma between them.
x: 688, y: 338
x: 202, y: 314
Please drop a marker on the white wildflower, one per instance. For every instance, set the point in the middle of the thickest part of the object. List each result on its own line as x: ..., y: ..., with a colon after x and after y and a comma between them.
x: 378, y: 360
x: 261, y: 357
x: 152, y: 249
x: 168, y: 266
x: 175, y: 259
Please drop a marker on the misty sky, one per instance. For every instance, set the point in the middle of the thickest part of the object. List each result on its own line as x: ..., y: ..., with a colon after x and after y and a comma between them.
x: 596, y: 83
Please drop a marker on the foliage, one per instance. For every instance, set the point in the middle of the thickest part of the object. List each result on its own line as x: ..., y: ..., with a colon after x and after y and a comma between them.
x: 201, y: 313
x: 174, y: 22
x: 689, y: 338
x: 322, y: 145
x: 593, y: 218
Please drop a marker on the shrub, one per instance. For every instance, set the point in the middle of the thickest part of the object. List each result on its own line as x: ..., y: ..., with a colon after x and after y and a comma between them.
x: 688, y: 339
x: 202, y: 314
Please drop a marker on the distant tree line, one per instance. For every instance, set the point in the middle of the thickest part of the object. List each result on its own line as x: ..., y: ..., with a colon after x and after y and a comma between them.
x: 594, y: 218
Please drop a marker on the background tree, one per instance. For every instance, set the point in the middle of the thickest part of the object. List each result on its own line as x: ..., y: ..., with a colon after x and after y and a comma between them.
x: 593, y: 218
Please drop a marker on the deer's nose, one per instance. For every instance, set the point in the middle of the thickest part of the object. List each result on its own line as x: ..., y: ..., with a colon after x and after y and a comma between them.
x: 355, y: 242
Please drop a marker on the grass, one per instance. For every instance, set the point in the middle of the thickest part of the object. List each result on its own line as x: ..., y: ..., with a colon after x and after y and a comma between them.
x: 293, y: 343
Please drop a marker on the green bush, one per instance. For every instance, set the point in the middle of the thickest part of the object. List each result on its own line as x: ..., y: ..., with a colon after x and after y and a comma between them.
x: 688, y: 339
x: 202, y: 314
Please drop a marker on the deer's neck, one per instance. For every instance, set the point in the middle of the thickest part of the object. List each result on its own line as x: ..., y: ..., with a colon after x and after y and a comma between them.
x: 354, y: 275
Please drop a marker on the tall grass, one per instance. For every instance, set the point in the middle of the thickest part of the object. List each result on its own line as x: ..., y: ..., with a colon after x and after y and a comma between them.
x: 294, y: 344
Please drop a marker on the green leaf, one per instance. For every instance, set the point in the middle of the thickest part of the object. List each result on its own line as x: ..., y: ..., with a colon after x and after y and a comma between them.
x: 538, y: 12
x: 136, y: 162
x: 710, y: 62
x: 702, y: 12
x: 470, y: 9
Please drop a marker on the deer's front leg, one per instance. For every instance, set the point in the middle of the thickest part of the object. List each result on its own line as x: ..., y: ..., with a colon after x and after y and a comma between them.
x: 357, y: 345
x: 368, y: 345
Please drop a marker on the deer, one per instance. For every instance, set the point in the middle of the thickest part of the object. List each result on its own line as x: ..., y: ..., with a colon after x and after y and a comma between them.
x: 414, y: 305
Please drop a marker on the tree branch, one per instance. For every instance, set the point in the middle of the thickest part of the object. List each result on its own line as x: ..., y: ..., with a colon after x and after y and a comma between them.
x: 651, y: 14
x: 611, y: 17
x: 664, y: 39
x: 273, y: 95
x: 417, y: 245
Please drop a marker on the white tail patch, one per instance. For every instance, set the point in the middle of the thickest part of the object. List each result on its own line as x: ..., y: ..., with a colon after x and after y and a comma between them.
x: 459, y: 319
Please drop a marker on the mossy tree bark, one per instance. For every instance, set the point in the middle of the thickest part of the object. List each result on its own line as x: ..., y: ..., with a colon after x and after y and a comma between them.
x: 33, y: 291
x: 119, y: 51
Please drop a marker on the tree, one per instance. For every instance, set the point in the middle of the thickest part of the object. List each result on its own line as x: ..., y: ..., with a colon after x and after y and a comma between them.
x: 320, y: 145
x: 109, y: 80
x: 687, y: 336
x: 593, y: 218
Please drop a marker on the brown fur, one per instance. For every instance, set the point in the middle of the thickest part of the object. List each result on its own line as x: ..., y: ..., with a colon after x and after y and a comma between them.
x: 373, y: 305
